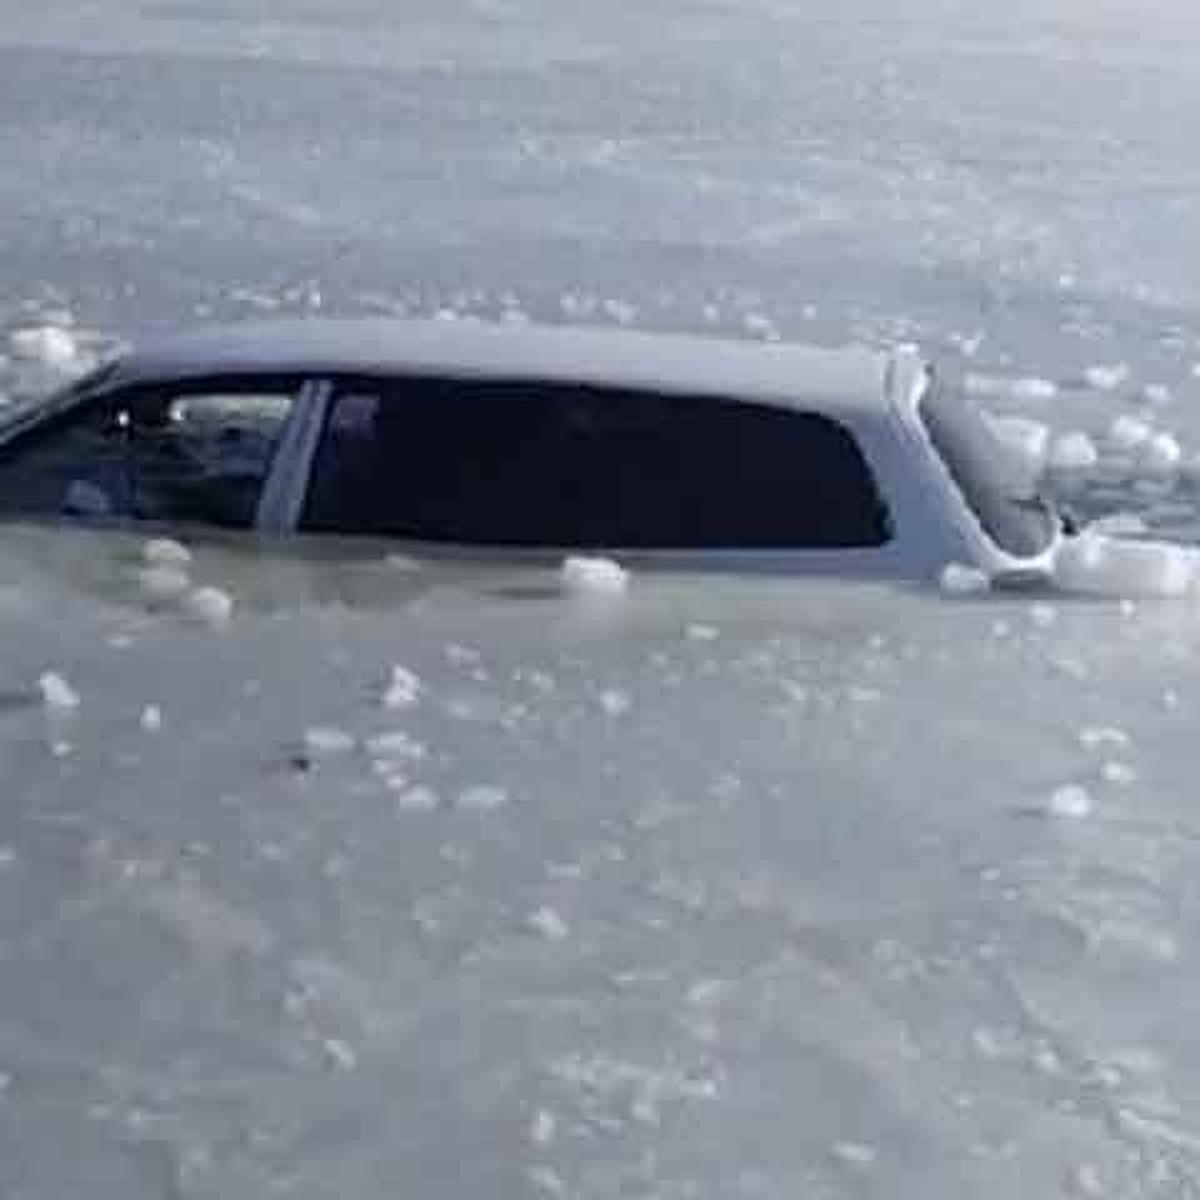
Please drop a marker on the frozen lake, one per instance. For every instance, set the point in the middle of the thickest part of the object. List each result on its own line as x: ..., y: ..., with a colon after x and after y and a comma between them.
x: 453, y: 881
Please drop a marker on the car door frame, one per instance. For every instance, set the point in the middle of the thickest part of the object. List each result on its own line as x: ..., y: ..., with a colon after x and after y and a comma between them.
x: 286, y: 481
x: 879, y: 438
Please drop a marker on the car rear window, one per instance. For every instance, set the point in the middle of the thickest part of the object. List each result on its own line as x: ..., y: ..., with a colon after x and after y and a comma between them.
x: 982, y: 468
x: 556, y: 465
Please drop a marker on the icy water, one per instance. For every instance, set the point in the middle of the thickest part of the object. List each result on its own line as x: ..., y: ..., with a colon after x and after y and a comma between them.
x: 456, y: 882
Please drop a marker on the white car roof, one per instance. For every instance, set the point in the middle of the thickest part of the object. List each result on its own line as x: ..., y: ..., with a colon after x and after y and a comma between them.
x: 848, y: 379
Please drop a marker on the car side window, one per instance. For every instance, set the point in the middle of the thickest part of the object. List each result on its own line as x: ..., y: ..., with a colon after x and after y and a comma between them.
x: 199, y: 452
x: 554, y: 465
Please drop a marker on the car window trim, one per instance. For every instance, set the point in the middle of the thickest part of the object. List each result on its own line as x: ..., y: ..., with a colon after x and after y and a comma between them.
x: 282, y: 497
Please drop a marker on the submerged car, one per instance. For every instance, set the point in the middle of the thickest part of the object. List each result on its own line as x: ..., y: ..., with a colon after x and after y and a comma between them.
x: 689, y: 451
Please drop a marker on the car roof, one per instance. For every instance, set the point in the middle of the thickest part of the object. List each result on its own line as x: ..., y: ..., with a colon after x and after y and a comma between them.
x: 852, y: 378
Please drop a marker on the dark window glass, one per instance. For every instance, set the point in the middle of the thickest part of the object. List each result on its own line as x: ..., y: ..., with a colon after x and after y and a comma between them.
x: 195, y: 453
x: 1018, y: 522
x: 536, y: 464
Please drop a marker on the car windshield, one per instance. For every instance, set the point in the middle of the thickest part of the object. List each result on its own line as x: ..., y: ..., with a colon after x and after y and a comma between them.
x: 1020, y: 521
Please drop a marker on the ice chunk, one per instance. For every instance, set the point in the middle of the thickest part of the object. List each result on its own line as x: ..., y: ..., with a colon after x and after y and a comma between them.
x: 1043, y: 615
x: 854, y: 1154
x: 340, y: 1054
x: 210, y: 605
x: 57, y: 693
x: 1119, y: 774
x: 1103, y: 735
x: 152, y: 718
x: 163, y: 582
x: 1127, y: 433
x: 1023, y: 436
x: 1160, y: 453
x: 957, y: 579
x: 1094, y: 564
x: 546, y: 922
x: 760, y: 326
x: 1117, y: 523
x: 482, y: 798
x: 1033, y: 388
x: 1073, y: 451
x: 462, y: 656
x: 997, y: 387
x: 542, y: 1128
x: 45, y: 344
x: 395, y: 744
x: 546, y: 1179
x: 702, y: 633
x: 1157, y: 394
x: 403, y: 689
x: 1070, y: 801
x: 1107, y: 377
x: 615, y: 702
x: 165, y: 552
x: 328, y: 740
x: 418, y: 799
x: 600, y: 576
